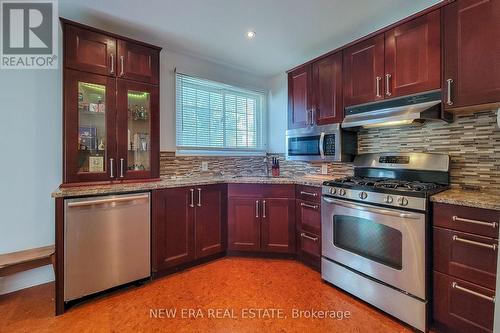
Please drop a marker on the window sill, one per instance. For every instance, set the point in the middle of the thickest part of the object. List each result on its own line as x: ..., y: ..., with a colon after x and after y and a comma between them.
x: 221, y: 153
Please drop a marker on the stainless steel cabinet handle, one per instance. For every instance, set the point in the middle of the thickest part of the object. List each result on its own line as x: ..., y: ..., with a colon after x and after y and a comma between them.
x: 257, y: 208
x: 454, y: 285
x: 111, y: 168
x: 122, y: 65
x: 192, y: 197
x: 121, y: 167
x: 313, y: 111
x: 321, y: 144
x: 264, y: 209
x: 309, y: 206
x: 363, y: 207
x: 199, y: 197
x: 377, y: 82
x: 314, y: 239
x: 387, y: 84
x: 112, y: 69
x: 448, y: 92
x: 308, y: 117
x: 309, y: 193
x: 471, y: 242
x: 486, y: 224
x: 105, y: 201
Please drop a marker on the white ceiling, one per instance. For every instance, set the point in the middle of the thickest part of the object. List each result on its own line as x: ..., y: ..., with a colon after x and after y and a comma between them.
x: 289, y: 32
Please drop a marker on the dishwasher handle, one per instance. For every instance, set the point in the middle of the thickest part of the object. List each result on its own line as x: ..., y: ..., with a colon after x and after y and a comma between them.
x: 105, y: 201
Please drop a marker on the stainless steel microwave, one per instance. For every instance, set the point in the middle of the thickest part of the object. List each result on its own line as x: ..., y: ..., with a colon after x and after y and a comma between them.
x: 328, y: 143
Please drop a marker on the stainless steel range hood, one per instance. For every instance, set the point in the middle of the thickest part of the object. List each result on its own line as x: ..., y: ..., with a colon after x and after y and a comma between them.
x: 397, y: 111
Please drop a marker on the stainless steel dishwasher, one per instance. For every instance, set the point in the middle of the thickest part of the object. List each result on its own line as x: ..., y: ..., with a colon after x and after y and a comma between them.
x: 106, y: 242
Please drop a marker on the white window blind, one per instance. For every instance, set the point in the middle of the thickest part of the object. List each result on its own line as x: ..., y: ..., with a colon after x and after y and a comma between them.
x: 217, y: 118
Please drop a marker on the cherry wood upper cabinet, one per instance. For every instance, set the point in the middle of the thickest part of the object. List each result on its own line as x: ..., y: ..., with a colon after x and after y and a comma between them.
x: 413, y: 56
x: 299, y: 97
x: 173, y: 228
x: 471, y: 53
x: 244, y: 224
x: 137, y: 62
x: 278, y: 234
x: 210, y: 220
x: 328, y: 104
x: 89, y: 51
x: 364, y: 71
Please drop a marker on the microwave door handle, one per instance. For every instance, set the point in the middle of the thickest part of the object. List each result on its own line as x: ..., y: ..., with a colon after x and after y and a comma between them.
x: 321, y: 143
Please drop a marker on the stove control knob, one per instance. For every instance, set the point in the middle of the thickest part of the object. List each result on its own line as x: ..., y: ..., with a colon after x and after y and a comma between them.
x: 342, y: 192
x: 363, y: 195
x: 333, y: 190
x: 388, y: 199
x: 403, y: 201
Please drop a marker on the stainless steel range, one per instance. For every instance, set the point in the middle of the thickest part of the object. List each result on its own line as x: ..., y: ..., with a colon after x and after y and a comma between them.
x: 375, y: 230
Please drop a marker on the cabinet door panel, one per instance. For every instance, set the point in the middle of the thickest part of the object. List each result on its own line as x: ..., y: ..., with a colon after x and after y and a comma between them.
x: 210, y: 221
x: 173, y: 228
x: 459, y: 310
x: 471, y: 48
x: 89, y: 127
x: 363, y: 64
x: 137, y: 62
x: 466, y: 256
x: 244, y: 224
x: 278, y: 225
x: 327, y: 90
x: 413, y: 55
x: 299, y: 97
x: 138, y: 130
x: 309, y: 216
x: 89, y: 51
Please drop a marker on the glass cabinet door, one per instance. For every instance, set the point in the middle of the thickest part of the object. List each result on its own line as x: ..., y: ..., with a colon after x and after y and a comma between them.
x: 89, y: 150
x: 138, y: 123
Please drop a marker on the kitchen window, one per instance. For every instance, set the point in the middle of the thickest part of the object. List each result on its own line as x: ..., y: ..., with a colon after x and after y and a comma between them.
x: 218, y: 119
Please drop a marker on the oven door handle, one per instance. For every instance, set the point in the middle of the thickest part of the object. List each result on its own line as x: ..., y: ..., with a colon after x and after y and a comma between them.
x: 321, y: 143
x: 359, y: 206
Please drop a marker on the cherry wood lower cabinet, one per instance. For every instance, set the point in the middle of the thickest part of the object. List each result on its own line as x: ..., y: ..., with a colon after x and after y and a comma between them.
x: 308, y: 220
x: 188, y: 224
x: 261, y: 218
x: 465, y: 250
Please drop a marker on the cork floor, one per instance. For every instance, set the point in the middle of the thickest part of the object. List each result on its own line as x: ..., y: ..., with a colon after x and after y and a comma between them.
x: 227, y: 295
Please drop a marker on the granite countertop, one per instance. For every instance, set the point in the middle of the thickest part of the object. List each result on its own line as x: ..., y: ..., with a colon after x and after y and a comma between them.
x: 472, y: 198
x: 185, y: 181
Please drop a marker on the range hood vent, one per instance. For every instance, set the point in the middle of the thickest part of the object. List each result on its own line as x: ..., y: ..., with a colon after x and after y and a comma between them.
x: 416, y: 108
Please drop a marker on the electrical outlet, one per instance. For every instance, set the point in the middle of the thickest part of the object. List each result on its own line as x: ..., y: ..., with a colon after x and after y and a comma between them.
x: 324, y: 168
x: 204, y: 166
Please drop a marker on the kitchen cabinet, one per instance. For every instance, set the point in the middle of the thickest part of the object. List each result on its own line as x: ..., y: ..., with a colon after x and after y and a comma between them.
x: 188, y: 224
x: 261, y: 218
x: 308, y: 224
x: 471, y: 40
x: 402, y: 61
x: 364, y: 71
x: 299, y: 97
x: 465, y: 244
x: 111, y: 124
x: 327, y: 94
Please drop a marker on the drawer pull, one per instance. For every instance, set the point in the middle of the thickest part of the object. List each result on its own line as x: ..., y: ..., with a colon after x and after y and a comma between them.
x: 309, y: 206
x: 471, y: 242
x: 314, y: 239
x: 309, y: 193
x: 487, y: 224
x: 454, y: 285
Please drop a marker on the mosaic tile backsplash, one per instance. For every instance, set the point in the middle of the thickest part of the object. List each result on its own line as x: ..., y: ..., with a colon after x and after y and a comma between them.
x: 472, y: 141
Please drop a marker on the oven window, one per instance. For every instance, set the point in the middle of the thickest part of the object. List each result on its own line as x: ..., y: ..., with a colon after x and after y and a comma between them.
x: 369, y: 239
x: 305, y: 145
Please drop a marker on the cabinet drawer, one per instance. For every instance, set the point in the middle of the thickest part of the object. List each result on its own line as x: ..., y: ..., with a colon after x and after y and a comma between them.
x: 308, y: 216
x: 469, y: 257
x: 461, y: 306
x: 310, y: 243
x: 261, y: 190
x: 477, y: 221
x: 308, y: 193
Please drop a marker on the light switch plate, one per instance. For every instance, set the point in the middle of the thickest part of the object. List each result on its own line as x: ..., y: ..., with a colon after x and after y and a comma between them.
x: 204, y: 166
x: 324, y: 168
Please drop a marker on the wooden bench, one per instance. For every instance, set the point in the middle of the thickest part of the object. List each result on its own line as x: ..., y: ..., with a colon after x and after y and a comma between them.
x: 15, y: 262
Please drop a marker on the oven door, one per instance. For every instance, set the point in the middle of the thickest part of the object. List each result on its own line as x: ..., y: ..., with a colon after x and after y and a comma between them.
x: 385, y: 244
